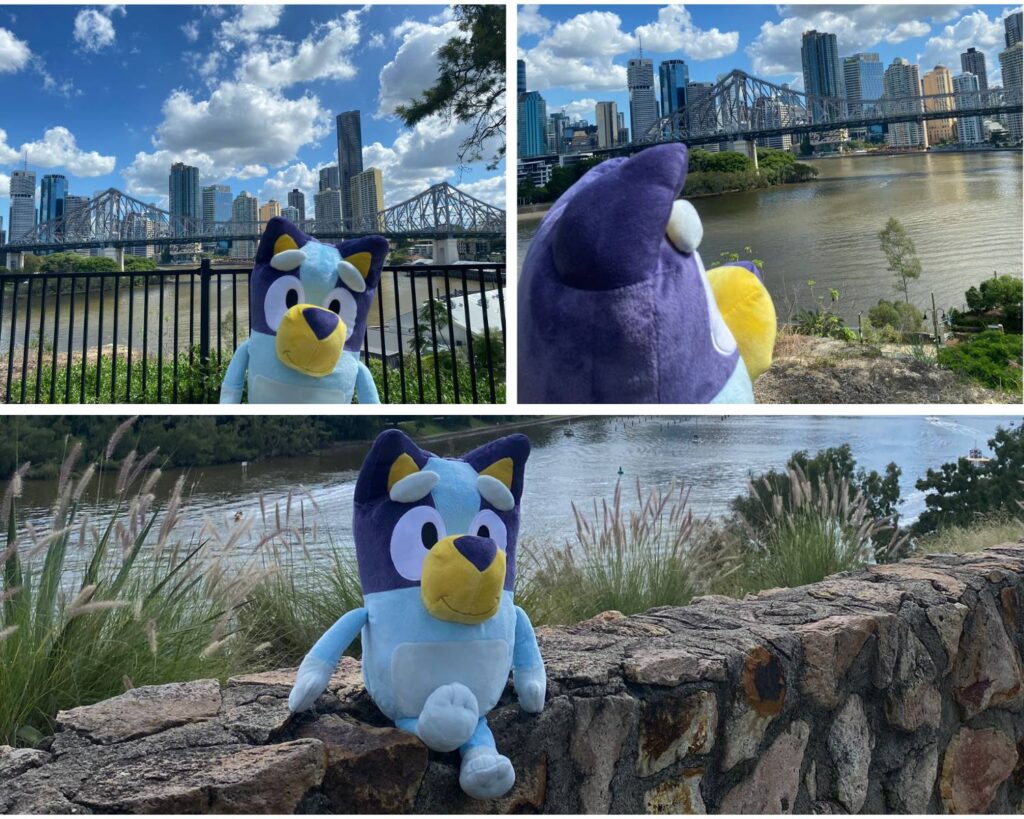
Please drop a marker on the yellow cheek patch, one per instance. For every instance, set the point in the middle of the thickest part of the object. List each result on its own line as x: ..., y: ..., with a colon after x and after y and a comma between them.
x: 298, y: 347
x: 502, y: 470
x: 748, y: 311
x: 361, y: 262
x: 454, y: 590
x: 284, y: 242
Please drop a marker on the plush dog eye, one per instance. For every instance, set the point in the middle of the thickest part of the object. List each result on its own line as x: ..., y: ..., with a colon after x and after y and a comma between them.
x: 283, y: 294
x: 413, y: 537
x: 488, y: 524
x: 341, y: 301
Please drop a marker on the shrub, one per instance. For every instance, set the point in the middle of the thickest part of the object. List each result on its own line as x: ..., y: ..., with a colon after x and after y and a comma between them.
x: 1002, y: 293
x: 991, y: 358
x: 898, y: 316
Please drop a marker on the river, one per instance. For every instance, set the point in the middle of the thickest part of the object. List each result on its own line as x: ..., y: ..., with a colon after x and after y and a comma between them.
x: 963, y: 211
x: 713, y: 456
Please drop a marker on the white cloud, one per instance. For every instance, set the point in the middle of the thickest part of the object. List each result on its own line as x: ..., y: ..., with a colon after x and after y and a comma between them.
x: 5, y: 185
x: 975, y: 29
x: 579, y: 53
x: 94, y: 31
x: 58, y: 149
x: 376, y: 40
x: 414, y: 66
x: 191, y: 30
x: 247, y: 24
x: 904, y: 31
x: 294, y: 176
x: 14, y: 53
x: 675, y: 31
x: 490, y: 190
x: 532, y: 22
x: 585, y: 108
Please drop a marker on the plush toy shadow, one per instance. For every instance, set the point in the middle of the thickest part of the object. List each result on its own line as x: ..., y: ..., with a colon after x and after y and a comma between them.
x: 308, y: 304
x: 615, y: 305
x: 436, y: 547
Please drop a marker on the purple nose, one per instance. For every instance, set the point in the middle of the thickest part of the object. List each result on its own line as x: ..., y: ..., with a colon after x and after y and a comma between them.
x: 321, y: 322
x: 479, y: 551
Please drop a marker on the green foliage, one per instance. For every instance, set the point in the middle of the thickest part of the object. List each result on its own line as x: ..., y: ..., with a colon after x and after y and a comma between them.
x: 720, y: 162
x: 991, y: 358
x: 984, y: 532
x: 962, y: 493
x: 470, y: 84
x: 416, y: 371
x: 1001, y: 293
x: 901, y: 317
x: 30, y: 263
x: 76, y: 263
x: 901, y: 254
x: 138, y: 264
x: 824, y: 320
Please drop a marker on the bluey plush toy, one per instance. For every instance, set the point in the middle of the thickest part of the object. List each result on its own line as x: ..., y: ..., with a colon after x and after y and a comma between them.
x: 615, y: 305
x: 436, y: 547
x: 308, y: 304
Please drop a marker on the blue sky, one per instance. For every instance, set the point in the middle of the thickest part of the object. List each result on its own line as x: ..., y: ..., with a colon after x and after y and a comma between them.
x: 111, y: 96
x: 576, y: 55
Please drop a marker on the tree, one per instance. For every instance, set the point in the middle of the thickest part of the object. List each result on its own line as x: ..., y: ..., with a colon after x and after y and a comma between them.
x: 30, y: 263
x: 423, y: 339
x: 470, y: 85
x: 901, y: 254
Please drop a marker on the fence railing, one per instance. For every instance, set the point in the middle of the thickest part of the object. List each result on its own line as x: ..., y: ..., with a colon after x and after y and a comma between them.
x: 435, y: 334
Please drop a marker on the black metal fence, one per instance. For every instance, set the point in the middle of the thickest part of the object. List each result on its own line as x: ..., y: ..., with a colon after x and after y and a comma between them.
x: 435, y: 334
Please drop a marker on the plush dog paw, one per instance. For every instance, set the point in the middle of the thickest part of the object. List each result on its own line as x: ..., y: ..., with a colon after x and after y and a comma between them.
x: 310, y: 683
x: 531, y: 685
x: 486, y: 774
x: 448, y: 718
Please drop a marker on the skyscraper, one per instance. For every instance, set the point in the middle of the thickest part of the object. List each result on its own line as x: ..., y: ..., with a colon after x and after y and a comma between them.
x: 350, y: 153
x: 607, y: 124
x: 902, y: 79
x: 520, y: 77
x: 532, y: 121
x: 76, y: 225
x: 1012, y: 24
x: 939, y: 81
x: 557, y: 123
x: 621, y: 131
x: 327, y: 206
x: 291, y: 213
x: 330, y: 178
x: 969, y: 130
x: 1010, y: 63
x: 52, y: 193
x: 972, y: 61
x: 216, y: 208
x: 673, y: 76
x: 822, y: 75
x: 643, y: 107
x: 184, y: 195
x: 245, y: 211
x: 23, y: 203
x: 862, y: 78
x: 701, y: 116
x: 368, y: 198
x: 297, y: 200
x: 269, y: 209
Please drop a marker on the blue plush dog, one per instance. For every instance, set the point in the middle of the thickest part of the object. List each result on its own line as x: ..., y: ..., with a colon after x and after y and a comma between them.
x: 308, y: 304
x: 436, y: 547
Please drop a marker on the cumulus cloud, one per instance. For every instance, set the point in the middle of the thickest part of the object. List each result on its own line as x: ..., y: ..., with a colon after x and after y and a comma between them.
x: 376, y: 40
x: 191, y: 30
x: 14, y: 53
x: 975, y: 29
x: 490, y: 190
x: 579, y: 52
x: 581, y: 109
x: 675, y: 31
x: 58, y: 149
x: 247, y: 25
x: 294, y: 176
x: 5, y: 185
x: 94, y: 30
x: 414, y: 66
x: 531, y: 21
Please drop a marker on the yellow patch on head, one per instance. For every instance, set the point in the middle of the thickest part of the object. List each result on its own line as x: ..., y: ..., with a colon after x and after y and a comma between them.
x: 284, y: 242
x: 749, y: 313
x: 502, y: 470
x: 361, y: 262
x: 403, y: 467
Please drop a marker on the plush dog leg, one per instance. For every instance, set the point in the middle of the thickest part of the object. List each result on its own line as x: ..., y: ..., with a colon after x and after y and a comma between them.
x: 448, y: 718
x: 485, y: 774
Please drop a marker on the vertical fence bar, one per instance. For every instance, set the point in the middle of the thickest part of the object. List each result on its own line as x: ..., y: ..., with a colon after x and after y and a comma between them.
x: 99, y: 338
x: 160, y: 345
x: 71, y: 335
x: 220, y: 344
x: 469, y: 338
x: 24, y: 343
x: 85, y: 341
x: 417, y: 341
x: 10, y: 341
x: 433, y: 336
x: 401, y: 343
x: 114, y: 345
x: 131, y: 332
x: 451, y: 336
x: 174, y: 385
x: 145, y: 332
x: 487, y: 340
x: 234, y: 312
x: 192, y: 336
x: 383, y: 344
x: 56, y: 342
x: 204, y: 323
x: 3, y: 288
x: 39, y: 341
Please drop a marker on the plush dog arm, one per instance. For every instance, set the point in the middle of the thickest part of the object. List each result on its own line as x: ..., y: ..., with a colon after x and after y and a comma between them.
x: 318, y: 665
x: 366, y: 389
x: 528, y: 676
x: 234, y: 378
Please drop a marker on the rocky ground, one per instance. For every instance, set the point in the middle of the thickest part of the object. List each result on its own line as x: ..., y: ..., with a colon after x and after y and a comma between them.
x: 895, y: 689
x: 811, y: 370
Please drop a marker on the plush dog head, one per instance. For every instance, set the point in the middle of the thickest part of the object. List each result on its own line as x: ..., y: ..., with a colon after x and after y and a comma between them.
x: 448, y: 526
x: 614, y: 301
x: 313, y: 297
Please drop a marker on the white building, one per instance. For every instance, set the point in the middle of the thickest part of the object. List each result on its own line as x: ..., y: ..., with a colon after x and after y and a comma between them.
x: 643, y: 105
x: 903, y: 79
x: 328, y: 206
x: 245, y: 210
x: 969, y: 130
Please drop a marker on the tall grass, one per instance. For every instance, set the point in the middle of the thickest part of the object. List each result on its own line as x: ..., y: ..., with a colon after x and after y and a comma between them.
x: 991, y: 531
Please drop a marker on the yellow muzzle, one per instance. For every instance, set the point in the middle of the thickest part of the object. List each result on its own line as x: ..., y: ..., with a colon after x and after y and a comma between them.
x: 462, y: 579
x: 310, y: 339
x: 748, y: 311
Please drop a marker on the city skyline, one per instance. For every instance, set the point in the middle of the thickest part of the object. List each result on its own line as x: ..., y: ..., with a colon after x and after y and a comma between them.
x: 573, y: 74
x: 278, y: 75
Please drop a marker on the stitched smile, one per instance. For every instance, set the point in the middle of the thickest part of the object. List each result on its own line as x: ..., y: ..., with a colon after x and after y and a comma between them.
x: 464, y: 613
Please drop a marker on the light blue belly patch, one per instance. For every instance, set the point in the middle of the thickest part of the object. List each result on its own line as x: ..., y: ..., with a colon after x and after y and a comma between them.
x: 271, y: 382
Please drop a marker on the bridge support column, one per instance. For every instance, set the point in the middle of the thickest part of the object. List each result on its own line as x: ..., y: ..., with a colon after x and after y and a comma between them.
x: 748, y: 147
x: 119, y: 257
x: 14, y: 261
x: 446, y: 251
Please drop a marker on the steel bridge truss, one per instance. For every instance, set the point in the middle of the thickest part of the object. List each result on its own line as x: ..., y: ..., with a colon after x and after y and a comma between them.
x: 115, y: 219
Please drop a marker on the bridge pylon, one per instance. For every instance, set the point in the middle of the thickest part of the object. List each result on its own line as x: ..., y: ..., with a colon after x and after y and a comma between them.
x: 446, y: 251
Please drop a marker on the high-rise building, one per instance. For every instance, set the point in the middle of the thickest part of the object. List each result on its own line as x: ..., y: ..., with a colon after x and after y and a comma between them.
x: 53, y: 191
x: 969, y: 130
x: 184, y: 195
x: 771, y: 112
x: 822, y: 74
x: 902, y: 79
x: 216, y: 208
x: 291, y: 213
x: 330, y: 178
x: 701, y: 117
x: 557, y: 123
x: 936, y: 82
x: 1012, y: 24
x: 327, y: 206
x: 621, y: 131
x: 862, y: 79
x: 368, y: 199
x: 350, y: 154
x: 972, y: 61
x: 643, y: 107
x: 23, y: 203
x: 269, y: 209
x: 520, y: 77
x: 673, y: 76
x: 1010, y: 63
x: 532, y: 124
x: 607, y: 124
x: 76, y: 223
x: 297, y: 199
x: 245, y: 211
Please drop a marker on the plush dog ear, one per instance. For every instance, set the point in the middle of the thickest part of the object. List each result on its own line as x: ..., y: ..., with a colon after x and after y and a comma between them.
x: 501, y: 464
x: 367, y: 255
x: 394, y: 468
x: 279, y: 236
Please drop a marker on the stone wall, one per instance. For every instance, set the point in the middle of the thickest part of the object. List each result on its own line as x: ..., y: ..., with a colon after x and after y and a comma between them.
x: 896, y: 689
